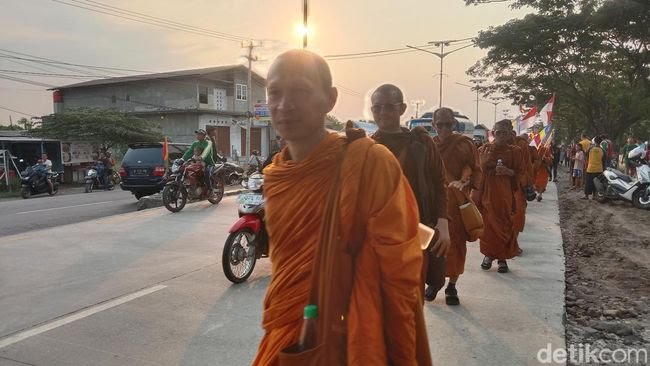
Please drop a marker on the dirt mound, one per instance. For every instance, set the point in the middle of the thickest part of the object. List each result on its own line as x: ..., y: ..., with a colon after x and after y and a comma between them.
x: 607, y: 250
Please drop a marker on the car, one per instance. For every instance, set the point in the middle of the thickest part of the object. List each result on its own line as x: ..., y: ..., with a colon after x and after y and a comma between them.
x: 143, y: 168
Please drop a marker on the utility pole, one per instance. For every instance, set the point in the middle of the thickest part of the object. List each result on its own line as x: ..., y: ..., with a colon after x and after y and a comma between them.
x: 249, y: 113
x: 476, y: 87
x: 417, y: 104
x: 442, y: 54
x: 495, y: 103
x: 305, y: 16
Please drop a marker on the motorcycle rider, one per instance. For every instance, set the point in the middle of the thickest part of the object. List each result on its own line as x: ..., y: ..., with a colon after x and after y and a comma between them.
x: 102, y: 174
x: 47, y: 163
x: 206, y: 146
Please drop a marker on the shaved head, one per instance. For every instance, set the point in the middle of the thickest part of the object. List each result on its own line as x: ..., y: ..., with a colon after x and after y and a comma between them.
x: 504, y: 124
x: 308, y: 61
x: 392, y: 90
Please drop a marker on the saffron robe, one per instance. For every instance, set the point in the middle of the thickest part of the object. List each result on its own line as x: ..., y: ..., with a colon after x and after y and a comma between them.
x: 497, y: 200
x: 461, y: 160
x: 386, y: 290
x: 541, y: 178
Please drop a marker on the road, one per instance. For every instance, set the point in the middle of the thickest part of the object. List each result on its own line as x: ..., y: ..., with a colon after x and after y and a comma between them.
x: 43, y: 211
x: 147, y: 288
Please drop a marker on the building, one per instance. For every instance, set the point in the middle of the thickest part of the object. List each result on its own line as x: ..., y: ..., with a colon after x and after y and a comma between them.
x: 214, y: 99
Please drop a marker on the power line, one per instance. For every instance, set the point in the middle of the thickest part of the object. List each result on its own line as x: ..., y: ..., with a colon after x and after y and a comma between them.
x: 8, y: 54
x: 48, y: 74
x: 145, y: 20
x: 393, y: 51
x: 50, y: 61
x: 26, y: 81
x: 15, y: 111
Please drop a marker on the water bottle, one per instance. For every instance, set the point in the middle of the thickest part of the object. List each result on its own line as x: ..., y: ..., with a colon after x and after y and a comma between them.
x: 499, y: 162
x: 308, y: 334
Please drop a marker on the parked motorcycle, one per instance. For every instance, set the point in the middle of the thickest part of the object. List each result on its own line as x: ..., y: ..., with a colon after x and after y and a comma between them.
x: 34, y: 181
x: 186, y: 182
x: 233, y: 173
x: 615, y: 185
x: 91, y: 180
x: 248, y: 240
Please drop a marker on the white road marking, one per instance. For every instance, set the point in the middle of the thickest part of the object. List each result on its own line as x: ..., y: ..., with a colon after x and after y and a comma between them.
x: 62, y: 208
x: 7, y: 341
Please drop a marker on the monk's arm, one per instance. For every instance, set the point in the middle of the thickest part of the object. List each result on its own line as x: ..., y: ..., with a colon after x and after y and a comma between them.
x: 392, y: 233
x: 437, y: 172
x: 476, y: 174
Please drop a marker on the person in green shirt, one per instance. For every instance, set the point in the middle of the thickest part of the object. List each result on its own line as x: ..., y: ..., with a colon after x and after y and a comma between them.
x: 630, y: 169
x: 205, y: 145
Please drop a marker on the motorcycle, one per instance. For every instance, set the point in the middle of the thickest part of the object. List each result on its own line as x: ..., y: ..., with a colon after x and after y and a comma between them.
x: 248, y: 240
x: 613, y: 184
x: 233, y: 173
x: 91, y: 180
x: 186, y: 182
x: 34, y: 181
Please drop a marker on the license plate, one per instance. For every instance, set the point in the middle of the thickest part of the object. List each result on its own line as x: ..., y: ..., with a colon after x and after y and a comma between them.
x: 139, y: 172
x: 250, y: 199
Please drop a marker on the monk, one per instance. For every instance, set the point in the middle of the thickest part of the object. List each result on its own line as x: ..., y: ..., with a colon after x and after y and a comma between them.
x: 423, y: 167
x: 379, y: 327
x: 503, y: 170
x: 463, y: 171
x: 541, y: 178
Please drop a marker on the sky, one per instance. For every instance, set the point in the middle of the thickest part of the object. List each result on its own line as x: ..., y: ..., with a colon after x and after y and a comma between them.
x: 53, y: 30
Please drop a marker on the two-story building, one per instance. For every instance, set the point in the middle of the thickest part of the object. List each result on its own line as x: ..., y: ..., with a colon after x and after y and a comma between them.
x: 180, y: 102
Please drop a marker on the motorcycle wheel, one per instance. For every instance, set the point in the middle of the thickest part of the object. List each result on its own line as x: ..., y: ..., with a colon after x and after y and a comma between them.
x: 599, y: 192
x: 89, y: 187
x: 174, y: 197
x: 217, y: 190
x: 25, y: 192
x: 638, y: 201
x: 239, y: 257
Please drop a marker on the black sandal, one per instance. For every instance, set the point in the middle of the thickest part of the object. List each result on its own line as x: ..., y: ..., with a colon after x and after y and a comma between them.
x: 503, y: 266
x: 451, y: 295
x: 487, y: 263
x: 430, y: 294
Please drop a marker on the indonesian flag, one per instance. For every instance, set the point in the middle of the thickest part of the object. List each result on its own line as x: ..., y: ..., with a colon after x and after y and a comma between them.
x: 546, y: 114
x: 165, y: 150
x: 528, y: 120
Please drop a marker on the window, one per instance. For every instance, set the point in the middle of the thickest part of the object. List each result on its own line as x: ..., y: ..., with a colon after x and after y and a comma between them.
x: 241, y: 92
x: 203, y: 95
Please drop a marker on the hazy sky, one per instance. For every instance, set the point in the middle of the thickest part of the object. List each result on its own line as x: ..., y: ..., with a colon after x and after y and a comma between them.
x: 49, y: 29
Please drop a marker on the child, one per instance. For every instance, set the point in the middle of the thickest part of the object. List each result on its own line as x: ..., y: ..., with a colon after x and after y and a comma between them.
x: 197, y: 156
x: 578, y: 167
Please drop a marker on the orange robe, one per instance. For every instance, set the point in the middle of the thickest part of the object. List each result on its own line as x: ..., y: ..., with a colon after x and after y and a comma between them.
x: 497, y: 202
x: 461, y: 160
x: 386, y: 290
x: 541, y: 178
x: 520, y: 196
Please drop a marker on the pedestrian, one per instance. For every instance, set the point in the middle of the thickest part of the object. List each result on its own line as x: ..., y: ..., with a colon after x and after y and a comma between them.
x: 557, y: 156
x: 503, y: 170
x: 578, y: 172
x: 361, y: 250
x: 630, y: 167
x: 595, y: 166
x: 542, y: 176
x: 422, y: 165
x: 463, y: 171
x: 585, y: 142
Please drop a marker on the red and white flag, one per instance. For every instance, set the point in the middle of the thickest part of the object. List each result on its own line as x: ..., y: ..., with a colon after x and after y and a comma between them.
x: 546, y: 114
x: 528, y: 120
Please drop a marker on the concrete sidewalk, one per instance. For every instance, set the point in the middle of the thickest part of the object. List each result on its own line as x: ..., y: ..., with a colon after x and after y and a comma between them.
x: 505, y: 319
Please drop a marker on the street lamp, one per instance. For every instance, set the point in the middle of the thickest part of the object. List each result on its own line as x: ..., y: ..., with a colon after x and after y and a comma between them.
x: 477, y: 87
x: 442, y: 55
x: 495, y: 103
x: 417, y: 104
x: 305, y: 15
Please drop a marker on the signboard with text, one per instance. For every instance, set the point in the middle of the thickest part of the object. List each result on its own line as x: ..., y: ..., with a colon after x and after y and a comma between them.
x: 262, y: 111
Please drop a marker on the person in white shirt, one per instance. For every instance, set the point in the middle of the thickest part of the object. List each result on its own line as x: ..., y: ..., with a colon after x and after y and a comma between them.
x: 48, y: 164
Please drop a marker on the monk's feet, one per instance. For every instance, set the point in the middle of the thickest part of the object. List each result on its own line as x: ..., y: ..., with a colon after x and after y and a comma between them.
x: 519, y: 252
x: 539, y: 197
x: 503, y: 266
x: 430, y: 293
x: 451, y: 295
x: 487, y: 263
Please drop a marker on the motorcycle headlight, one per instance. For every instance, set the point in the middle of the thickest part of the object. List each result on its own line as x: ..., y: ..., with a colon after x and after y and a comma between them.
x: 175, y: 168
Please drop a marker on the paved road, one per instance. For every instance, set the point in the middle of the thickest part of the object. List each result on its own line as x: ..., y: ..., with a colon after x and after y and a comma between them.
x: 147, y: 288
x: 72, y: 206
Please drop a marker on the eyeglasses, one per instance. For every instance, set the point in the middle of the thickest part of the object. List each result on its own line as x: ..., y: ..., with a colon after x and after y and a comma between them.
x: 389, y: 107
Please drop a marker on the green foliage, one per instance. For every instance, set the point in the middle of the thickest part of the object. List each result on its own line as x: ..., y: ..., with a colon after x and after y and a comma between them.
x: 10, y: 128
x: 595, y: 55
x: 103, y: 127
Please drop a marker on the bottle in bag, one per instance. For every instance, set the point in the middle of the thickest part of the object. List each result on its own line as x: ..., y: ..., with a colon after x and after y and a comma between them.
x: 308, y: 332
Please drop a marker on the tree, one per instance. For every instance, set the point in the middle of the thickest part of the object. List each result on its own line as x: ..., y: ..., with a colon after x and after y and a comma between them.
x: 106, y: 128
x: 10, y: 128
x: 594, y: 54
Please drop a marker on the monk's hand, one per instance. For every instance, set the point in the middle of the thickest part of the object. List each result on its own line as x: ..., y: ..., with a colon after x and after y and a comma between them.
x: 502, y: 170
x: 442, y: 245
x: 459, y: 184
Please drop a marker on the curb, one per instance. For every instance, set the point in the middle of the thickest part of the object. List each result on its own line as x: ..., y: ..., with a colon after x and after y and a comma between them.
x: 155, y: 200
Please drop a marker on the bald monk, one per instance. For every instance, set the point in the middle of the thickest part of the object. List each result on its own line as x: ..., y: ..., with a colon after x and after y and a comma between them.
x: 503, y: 169
x: 379, y: 325
x: 462, y: 167
x: 424, y: 169
x: 543, y: 168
